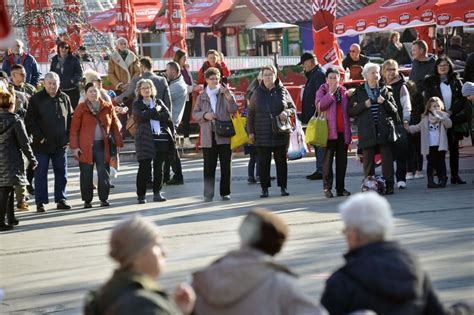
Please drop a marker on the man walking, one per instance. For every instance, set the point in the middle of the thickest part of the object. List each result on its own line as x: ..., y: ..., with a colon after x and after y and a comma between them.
x: 315, y: 77
x: 48, y: 119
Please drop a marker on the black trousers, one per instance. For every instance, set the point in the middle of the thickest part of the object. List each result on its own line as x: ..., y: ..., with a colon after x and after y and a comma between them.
x: 30, y: 174
x: 453, y: 146
x: 338, y: 147
x: 400, y: 157
x: 436, y: 161
x: 144, y: 173
x: 103, y: 174
x: 387, y: 162
x: 265, y: 160
x: 224, y: 154
x: 6, y: 204
x: 74, y: 96
x: 187, y: 116
x: 173, y: 163
x: 415, y: 159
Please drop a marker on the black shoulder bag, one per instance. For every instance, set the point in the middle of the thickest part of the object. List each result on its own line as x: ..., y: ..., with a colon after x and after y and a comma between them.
x: 279, y: 127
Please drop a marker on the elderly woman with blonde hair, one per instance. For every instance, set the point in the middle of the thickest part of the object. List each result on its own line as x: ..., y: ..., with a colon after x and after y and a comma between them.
x: 137, y: 246
x: 154, y: 138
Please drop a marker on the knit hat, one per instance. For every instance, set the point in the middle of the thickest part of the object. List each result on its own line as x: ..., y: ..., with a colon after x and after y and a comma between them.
x: 91, y: 76
x: 263, y: 230
x: 468, y: 89
x: 130, y: 237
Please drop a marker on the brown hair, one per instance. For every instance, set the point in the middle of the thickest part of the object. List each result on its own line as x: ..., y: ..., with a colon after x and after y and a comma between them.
x: 178, y: 55
x: 212, y: 71
x: 392, y: 35
x: 421, y: 44
x: 388, y: 63
x: 430, y: 101
x: 7, y: 101
x: 269, y: 68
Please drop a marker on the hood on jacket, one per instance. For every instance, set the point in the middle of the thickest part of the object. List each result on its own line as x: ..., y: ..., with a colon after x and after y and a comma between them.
x: 386, y: 269
x: 233, y: 277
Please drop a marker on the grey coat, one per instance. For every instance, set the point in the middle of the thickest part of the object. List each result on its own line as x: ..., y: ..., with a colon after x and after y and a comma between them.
x: 144, y: 144
x: 224, y: 108
x: 13, y: 141
x: 161, y: 85
x: 263, y: 104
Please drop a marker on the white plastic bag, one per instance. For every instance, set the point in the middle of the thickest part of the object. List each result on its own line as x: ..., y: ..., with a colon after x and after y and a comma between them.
x: 297, y: 148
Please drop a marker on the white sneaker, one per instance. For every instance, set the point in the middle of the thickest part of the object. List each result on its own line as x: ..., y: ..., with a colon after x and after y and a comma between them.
x: 401, y: 185
x: 419, y: 174
x: 187, y: 144
x: 409, y: 176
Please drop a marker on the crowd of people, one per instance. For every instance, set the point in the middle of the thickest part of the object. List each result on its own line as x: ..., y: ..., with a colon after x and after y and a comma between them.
x: 402, y: 120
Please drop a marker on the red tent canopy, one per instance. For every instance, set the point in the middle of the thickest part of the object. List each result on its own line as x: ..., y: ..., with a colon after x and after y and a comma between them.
x: 145, y: 13
x: 385, y: 15
x: 202, y: 13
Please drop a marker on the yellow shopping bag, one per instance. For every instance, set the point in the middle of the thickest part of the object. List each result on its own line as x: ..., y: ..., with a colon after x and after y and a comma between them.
x: 241, y: 137
x: 310, y: 134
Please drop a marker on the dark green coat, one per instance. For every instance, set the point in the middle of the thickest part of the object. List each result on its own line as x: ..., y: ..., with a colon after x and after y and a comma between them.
x: 128, y: 293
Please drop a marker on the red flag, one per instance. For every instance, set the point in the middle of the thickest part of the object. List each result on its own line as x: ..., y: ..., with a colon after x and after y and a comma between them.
x: 325, y: 45
x: 42, y: 32
x: 74, y: 30
x: 6, y: 34
x: 125, y: 22
x: 176, y: 30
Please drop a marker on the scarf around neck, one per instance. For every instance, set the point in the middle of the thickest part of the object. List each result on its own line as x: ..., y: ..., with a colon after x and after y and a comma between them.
x: 213, y: 96
x: 372, y: 93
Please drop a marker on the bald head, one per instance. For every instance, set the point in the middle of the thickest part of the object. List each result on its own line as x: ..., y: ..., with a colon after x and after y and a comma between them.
x: 18, y: 47
x: 354, y: 52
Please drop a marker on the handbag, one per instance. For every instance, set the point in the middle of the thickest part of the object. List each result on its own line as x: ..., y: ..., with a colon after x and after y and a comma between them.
x: 224, y: 128
x: 130, y: 126
x: 279, y: 127
x: 241, y: 137
x: 397, y: 135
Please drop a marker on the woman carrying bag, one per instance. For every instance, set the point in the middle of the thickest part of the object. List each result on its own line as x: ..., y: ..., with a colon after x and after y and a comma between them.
x: 94, y: 137
x: 269, y: 102
x: 332, y: 100
x: 213, y: 108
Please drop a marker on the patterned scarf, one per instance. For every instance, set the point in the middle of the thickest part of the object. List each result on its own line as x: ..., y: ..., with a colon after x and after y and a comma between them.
x: 372, y: 93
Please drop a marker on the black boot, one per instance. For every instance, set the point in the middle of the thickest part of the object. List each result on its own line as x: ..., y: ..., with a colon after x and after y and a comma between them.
x: 457, y: 180
x: 284, y: 192
x: 442, y: 182
x: 264, y: 193
x: 431, y: 183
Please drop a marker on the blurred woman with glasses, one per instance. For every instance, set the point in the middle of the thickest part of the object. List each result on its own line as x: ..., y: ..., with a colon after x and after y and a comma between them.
x: 68, y: 67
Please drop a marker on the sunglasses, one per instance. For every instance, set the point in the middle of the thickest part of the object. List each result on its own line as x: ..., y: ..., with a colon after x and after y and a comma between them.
x: 352, y: 51
x: 64, y: 47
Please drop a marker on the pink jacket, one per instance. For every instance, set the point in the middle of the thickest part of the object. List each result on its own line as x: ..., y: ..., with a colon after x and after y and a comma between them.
x: 327, y: 102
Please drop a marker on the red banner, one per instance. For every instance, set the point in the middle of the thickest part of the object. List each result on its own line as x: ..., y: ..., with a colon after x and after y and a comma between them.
x: 5, y: 26
x: 125, y: 22
x: 42, y: 32
x: 325, y: 45
x: 74, y: 30
x: 176, y: 28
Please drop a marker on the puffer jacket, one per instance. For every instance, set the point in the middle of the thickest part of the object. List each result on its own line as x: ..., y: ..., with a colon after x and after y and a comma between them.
x: 49, y: 118
x: 370, y: 136
x: 264, y: 105
x: 142, y: 114
x: 13, y: 141
x: 382, y: 277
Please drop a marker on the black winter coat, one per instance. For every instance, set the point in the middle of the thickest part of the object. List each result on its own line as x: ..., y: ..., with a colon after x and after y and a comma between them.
x: 460, y: 108
x: 13, y: 141
x: 142, y: 114
x: 264, y: 105
x: 315, y: 78
x: 382, y: 277
x: 49, y: 118
x: 71, y: 75
x: 370, y: 136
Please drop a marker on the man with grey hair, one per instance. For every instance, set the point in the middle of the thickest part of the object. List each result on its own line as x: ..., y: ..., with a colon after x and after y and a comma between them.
x: 48, y: 119
x: 247, y: 280
x: 19, y: 56
x: 379, y: 274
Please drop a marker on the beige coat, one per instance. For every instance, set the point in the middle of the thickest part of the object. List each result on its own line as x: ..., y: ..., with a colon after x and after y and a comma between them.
x: 423, y: 127
x: 120, y: 71
x: 224, y: 108
x: 248, y: 282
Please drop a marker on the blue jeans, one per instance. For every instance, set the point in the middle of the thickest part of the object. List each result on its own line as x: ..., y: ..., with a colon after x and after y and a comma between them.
x: 59, y: 161
x: 319, y: 154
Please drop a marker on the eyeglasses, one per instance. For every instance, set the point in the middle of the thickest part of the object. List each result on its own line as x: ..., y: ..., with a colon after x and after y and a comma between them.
x: 64, y: 47
x: 145, y: 88
x: 352, y: 50
x: 392, y: 69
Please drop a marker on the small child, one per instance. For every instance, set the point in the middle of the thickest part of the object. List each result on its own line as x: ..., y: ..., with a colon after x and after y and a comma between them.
x: 434, y: 140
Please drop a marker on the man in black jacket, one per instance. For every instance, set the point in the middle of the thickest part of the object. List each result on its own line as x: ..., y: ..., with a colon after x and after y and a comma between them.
x: 379, y: 275
x: 48, y: 119
x: 315, y: 77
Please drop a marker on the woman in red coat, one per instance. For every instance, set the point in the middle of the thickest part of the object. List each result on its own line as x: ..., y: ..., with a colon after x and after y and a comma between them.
x: 215, y: 60
x: 94, y: 135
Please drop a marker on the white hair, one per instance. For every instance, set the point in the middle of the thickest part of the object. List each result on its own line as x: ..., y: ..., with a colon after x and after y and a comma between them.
x: 119, y: 40
x: 367, y: 68
x: 52, y: 75
x: 369, y: 213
